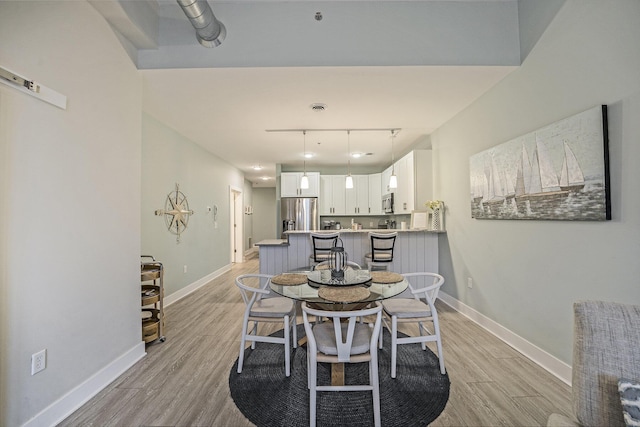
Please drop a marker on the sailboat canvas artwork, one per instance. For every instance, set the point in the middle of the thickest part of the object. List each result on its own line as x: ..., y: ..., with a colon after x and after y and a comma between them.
x: 559, y: 172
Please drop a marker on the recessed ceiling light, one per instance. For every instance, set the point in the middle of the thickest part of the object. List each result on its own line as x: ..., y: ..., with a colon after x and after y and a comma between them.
x: 256, y: 167
x: 358, y: 155
x: 309, y: 155
x: 318, y: 107
x: 265, y: 178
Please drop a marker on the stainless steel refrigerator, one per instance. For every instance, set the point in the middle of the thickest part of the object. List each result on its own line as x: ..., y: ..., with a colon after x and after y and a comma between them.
x: 299, y: 213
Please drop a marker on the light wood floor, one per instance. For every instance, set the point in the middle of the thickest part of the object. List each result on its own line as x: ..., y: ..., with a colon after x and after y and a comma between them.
x: 184, y: 381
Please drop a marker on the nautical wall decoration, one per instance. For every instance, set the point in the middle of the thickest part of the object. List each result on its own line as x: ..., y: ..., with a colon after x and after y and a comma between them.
x: 559, y: 172
x: 176, y: 212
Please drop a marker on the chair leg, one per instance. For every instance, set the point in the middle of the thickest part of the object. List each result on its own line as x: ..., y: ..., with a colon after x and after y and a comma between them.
x: 295, y: 329
x: 394, y: 344
x: 374, y: 381
x: 287, y: 350
x: 254, y: 331
x: 312, y: 366
x: 308, y: 371
x: 242, y: 344
x: 436, y: 331
x: 440, y: 356
x: 422, y: 331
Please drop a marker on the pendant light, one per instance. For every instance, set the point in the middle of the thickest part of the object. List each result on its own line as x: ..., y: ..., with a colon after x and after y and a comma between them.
x: 349, y: 180
x: 393, y: 179
x: 304, y: 181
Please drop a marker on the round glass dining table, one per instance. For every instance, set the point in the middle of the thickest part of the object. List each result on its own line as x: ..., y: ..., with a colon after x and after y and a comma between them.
x: 353, y: 278
x: 318, y: 279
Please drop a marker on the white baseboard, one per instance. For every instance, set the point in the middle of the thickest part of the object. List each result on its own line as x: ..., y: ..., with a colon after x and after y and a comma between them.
x: 178, y: 295
x: 70, y: 402
x: 550, y: 363
x: 65, y: 406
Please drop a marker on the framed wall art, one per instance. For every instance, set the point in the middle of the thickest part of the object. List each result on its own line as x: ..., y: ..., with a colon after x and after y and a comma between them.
x: 559, y: 172
x: 419, y: 220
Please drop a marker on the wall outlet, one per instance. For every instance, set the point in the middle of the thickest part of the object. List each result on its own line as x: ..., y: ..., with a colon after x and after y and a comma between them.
x: 184, y: 269
x: 38, y: 361
x: 469, y: 282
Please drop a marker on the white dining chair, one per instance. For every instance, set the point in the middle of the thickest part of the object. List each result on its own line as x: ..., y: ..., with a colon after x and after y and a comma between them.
x: 342, y: 339
x: 258, y: 309
x: 420, y: 309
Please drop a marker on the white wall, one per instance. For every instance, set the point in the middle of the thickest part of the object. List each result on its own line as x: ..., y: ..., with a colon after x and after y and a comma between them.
x: 72, y: 201
x: 264, y: 214
x: 527, y: 274
x: 169, y: 158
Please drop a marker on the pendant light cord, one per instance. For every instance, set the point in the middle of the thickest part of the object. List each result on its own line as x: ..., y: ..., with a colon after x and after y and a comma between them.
x: 393, y: 164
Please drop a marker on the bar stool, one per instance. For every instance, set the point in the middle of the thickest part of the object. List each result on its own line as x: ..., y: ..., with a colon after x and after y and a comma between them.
x: 381, y: 254
x: 321, y: 244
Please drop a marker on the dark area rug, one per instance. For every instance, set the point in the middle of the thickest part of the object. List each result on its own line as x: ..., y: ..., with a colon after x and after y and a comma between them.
x: 416, y: 397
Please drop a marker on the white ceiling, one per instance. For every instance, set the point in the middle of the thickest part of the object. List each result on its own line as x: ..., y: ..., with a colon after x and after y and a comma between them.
x: 229, y: 109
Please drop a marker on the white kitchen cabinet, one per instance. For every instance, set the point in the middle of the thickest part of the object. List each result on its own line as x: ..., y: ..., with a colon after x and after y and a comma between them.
x: 332, y: 195
x: 384, y: 188
x: 415, y: 182
x: 290, y: 184
x: 375, y: 194
x: 405, y: 193
x: 357, y: 198
x: 415, y: 187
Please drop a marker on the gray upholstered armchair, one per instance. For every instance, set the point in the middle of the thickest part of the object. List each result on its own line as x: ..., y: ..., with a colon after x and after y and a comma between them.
x: 606, y: 348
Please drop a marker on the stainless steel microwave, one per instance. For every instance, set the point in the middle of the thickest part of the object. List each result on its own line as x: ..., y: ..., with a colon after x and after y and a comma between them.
x: 387, y: 203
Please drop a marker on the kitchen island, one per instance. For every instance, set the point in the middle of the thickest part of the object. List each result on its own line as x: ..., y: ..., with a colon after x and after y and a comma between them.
x: 415, y: 250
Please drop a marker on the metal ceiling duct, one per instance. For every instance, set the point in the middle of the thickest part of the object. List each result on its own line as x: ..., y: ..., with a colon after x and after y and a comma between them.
x: 209, y: 31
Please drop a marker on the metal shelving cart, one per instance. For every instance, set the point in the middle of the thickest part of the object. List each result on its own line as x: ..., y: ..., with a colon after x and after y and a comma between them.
x: 152, y: 295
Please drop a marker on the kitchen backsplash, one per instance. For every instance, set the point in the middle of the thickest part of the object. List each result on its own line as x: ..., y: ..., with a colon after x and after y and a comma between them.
x: 368, y: 222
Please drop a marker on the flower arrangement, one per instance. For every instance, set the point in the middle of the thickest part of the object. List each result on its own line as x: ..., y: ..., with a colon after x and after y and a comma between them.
x: 434, y: 204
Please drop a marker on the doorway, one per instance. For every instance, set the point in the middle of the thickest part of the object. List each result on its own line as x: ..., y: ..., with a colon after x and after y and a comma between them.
x: 235, y: 217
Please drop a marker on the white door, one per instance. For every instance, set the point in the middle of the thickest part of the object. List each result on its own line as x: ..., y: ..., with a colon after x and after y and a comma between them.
x: 235, y: 216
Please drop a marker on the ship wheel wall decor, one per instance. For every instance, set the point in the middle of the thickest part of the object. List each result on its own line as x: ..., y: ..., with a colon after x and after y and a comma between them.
x: 176, y: 212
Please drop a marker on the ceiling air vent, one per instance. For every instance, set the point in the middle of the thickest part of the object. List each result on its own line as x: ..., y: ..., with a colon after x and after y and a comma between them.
x: 318, y: 107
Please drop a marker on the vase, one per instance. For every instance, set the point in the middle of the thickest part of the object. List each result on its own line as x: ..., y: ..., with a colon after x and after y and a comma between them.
x: 437, y: 218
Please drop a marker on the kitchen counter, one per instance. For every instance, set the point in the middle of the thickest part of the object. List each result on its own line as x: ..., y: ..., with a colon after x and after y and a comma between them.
x: 414, y: 251
x: 273, y: 242
x: 365, y: 230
